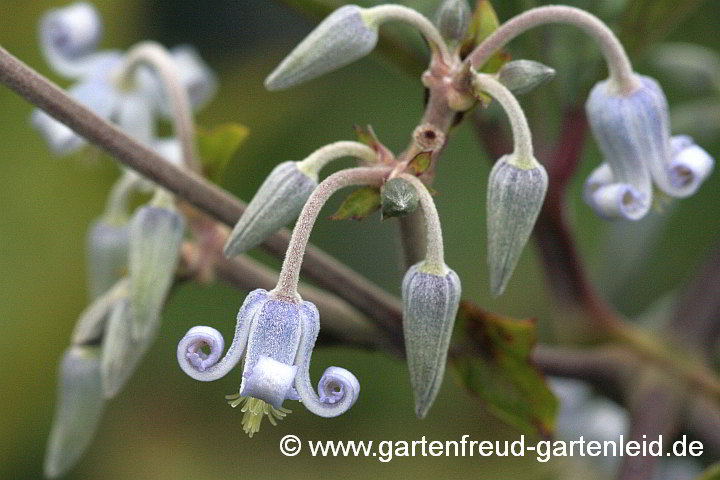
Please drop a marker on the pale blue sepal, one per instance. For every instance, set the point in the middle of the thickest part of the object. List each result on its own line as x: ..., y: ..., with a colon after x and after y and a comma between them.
x: 108, y: 245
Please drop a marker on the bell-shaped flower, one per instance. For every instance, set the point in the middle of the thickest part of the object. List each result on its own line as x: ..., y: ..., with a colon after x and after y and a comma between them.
x: 276, y: 337
x: 430, y: 304
x: 633, y: 133
x: 69, y: 37
x: 277, y: 202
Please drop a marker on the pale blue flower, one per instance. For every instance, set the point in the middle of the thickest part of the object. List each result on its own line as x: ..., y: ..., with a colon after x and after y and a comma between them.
x: 69, y: 38
x: 279, y: 336
x: 633, y: 133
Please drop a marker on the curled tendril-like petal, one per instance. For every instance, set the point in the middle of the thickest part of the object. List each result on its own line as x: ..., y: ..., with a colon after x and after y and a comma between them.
x: 331, y: 386
x: 689, y: 165
x: 209, y: 367
x: 614, y: 200
x: 69, y: 36
x: 339, y: 389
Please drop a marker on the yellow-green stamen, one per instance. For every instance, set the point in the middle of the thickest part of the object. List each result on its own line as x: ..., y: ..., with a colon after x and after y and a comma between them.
x: 254, y: 410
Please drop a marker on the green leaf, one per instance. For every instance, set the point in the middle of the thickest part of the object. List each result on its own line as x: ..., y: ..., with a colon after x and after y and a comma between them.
x: 359, y: 204
x: 366, y: 135
x: 484, y: 22
x: 495, y: 366
x: 712, y: 473
x: 217, y: 146
x: 421, y: 162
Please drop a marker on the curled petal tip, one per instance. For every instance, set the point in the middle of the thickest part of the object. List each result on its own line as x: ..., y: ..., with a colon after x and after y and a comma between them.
x: 335, y: 383
x: 689, y: 166
x: 619, y: 200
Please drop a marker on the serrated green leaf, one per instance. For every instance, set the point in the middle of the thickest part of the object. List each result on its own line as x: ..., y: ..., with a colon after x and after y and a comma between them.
x: 495, y: 366
x: 421, y: 162
x: 712, y: 473
x: 217, y: 146
x: 359, y: 204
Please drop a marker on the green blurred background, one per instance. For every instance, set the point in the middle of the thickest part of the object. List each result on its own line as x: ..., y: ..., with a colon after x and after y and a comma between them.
x: 165, y: 425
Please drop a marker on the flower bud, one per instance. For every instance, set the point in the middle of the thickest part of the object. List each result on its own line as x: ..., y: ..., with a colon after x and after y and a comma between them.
x: 453, y: 20
x: 343, y: 37
x: 78, y: 410
x: 121, y: 353
x: 399, y: 198
x: 522, y: 76
x: 90, y: 327
x: 430, y: 303
x: 156, y: 235
x: 107, y: 250
x: 277, y: 202
x: 514, y: 199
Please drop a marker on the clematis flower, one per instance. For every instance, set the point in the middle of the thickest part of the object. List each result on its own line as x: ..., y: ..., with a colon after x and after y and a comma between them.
x: 277, y: 337
x: 633, y: 133
x: 69, y: 37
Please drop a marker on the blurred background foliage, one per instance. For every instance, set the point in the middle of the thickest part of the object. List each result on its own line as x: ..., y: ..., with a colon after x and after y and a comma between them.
x: 167, y: 426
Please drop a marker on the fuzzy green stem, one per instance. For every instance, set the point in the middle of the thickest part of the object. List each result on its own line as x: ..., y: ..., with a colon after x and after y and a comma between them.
x: 290, y: 272
x: 117, y: 206
x: 384, y: 13
x: 619, y: 67
x: 522, y: 138
x: 434, y: 256
x: 317, y: 160
x: 159, y: 59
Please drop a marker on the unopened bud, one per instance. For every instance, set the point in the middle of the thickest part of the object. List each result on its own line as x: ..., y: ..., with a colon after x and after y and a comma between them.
x: 79, y: 407
x: 343, y: 37
x: 399, y: 198
x: 514, y: 199
x: 453, y: 20
x: 522, y: 76
x: 156, y: 235
x: 277, y: 202
x: 430, y: 303
x: 107, y: 250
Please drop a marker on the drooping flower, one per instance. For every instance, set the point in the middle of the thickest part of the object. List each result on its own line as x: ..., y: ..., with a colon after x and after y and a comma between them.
x: 275, y: 336
x: 69, y: 38
x: 633, y: 132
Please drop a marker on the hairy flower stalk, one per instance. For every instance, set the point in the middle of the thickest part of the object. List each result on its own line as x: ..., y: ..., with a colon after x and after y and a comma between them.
x: 156, y: 57
x: 516, y: 190
x: 282, y: 195
x: 431, y: 297
x: 290, y: 271
x: 620, y: 70
x: 346, y: 35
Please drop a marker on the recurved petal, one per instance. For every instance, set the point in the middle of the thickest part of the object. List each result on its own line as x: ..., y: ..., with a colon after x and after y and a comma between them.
x: 689, y: 166
x: 619, y: 200
x: 343, y: 37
